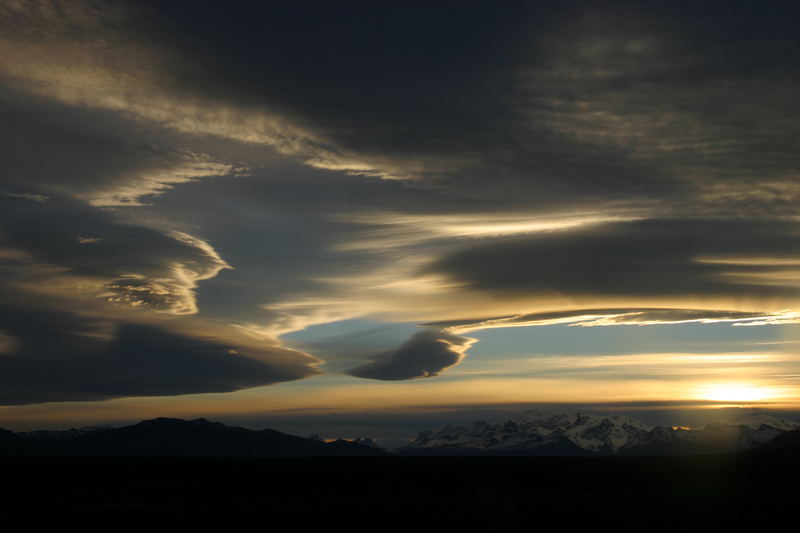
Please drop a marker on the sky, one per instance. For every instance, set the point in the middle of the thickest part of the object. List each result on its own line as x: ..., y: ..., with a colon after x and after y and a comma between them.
x: 362, y: 217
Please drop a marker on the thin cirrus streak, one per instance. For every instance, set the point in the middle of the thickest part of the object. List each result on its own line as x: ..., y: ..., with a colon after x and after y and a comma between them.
x: 382, y: 230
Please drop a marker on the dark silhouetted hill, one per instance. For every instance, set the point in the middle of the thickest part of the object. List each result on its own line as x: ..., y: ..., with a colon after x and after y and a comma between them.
x: 171, y: 437
x: 10, y: 444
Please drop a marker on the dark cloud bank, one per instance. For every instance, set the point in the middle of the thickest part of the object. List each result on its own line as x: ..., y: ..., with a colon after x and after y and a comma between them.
x: 61, y: 356
x: 522, y: 102
x: 650, y: 258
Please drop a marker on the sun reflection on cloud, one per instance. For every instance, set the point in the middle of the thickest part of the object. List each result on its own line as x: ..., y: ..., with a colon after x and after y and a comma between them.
x: 383, y: 228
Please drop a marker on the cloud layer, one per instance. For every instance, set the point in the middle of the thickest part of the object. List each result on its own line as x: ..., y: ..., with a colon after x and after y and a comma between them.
x: 95, y: 308
x: 688, y: 259
x: 182, y: 182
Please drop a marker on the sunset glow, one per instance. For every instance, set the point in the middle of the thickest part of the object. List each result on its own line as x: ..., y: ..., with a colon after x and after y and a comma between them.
x: 738, y: 392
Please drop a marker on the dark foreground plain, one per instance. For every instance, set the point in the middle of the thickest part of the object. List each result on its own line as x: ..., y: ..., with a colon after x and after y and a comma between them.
x: 534, y: 493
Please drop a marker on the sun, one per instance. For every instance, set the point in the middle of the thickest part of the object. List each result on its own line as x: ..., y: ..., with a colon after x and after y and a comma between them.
x: 736, y: 392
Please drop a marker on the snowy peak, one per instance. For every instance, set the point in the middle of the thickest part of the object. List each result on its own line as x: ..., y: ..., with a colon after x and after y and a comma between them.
x: 537, y: 431
x: 762, y: 421
x: 596, y: 433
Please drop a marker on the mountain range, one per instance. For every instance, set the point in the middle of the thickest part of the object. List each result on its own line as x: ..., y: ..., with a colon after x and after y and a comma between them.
x: 537, y: 433
x: 172, y: 437
x: 533, y: 434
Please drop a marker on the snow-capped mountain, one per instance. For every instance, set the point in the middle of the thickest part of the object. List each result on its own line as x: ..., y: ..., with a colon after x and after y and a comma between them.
x: 573, y: 433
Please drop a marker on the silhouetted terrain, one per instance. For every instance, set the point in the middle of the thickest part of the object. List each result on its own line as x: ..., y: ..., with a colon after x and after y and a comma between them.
x: 193, y: 491
x: 550, y: 436
x: 171, y: 437
x: 538, y: 433
x: 785, y: 441
x: 10, y: 444
x: 181, y: 494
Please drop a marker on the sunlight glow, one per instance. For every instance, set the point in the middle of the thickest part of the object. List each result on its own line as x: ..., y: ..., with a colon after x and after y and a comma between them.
x: 737, y: 392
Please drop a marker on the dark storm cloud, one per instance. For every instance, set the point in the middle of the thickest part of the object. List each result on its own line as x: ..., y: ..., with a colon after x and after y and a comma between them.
x: 650, y: 258
x: 63, y: 356
x: 424, y: 355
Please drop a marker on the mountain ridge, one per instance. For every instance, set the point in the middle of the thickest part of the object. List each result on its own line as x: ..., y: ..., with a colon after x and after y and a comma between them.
x: 175, y: 437
x: 536, y: 433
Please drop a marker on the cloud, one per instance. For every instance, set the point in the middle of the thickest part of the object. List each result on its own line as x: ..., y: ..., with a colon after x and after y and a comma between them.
x: 126, y: 264
x: 562, y: 101
x: 95, y: 308
x: 103, y: 57
x: 424, y: 355
x: 90, y: 156
x: 617, y: 317
x: 385, y: 229
x: 558, y: 103
x: 644, y: 261
x: 65, y: 356
x: 551, y: 163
